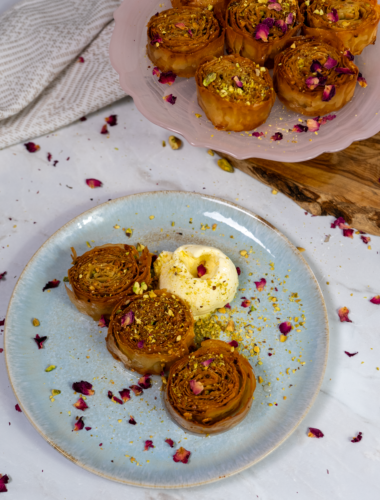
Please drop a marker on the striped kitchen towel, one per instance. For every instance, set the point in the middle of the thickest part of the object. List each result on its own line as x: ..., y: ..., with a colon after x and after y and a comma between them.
x: 54, y: 65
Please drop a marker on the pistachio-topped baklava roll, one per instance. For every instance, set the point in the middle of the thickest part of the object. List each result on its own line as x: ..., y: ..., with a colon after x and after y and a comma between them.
x: 234, y: 92
x: 259, y: 29
x: 354, y: 22
x: 315, y: 75
x: 218, y: 6
x: 179, y: 38
x: 210, y: 390
x: 101, y: 277
x: 148, y: 332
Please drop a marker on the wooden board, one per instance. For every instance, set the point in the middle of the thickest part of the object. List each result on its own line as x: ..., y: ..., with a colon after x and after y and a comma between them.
x: 344, y: 184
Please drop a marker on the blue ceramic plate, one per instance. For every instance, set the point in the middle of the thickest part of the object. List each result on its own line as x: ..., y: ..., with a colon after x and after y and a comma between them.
x: 76, y: 346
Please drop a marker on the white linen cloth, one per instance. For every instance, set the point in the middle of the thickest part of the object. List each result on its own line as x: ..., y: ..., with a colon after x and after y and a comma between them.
x: 42, y: 85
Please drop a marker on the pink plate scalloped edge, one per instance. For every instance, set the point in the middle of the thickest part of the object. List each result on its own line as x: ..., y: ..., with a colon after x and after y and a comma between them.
x: 358, y: 120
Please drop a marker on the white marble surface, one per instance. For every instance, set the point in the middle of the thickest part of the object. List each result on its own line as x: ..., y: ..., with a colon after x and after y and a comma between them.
x: 35, y: 201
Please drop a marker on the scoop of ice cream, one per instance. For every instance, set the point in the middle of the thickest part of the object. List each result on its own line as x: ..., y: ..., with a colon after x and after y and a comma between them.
x: 203, y: 276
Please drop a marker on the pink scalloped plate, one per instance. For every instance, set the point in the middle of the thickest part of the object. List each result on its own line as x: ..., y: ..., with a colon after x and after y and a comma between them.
x: 358, y: 120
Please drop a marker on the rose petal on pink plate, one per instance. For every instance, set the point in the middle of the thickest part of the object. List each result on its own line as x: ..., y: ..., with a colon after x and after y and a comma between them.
x: 51, y: 284
x: 365, y: 239
x: 312, y: 82
x: 258, y: 134
x: 94, y: 183
x: 348, y: 233
x: 171, y: 99
x: 315, y: 433
x: 345, y: 71
x: 281, y: 25
x: 81, y: 404
x: 285, y: 327
x: 289, y: 18
x: 300, y: 128
x: 262, y: 32
x: 148, y: 444
x: 131, y: 420
x: 145, y: 381
x: 330, y: 63
x: 104, y: 130
x: 275, y: 6
x: 104, y: 321
x: 362, y: 81
x: 233, y: 343
x: 260, y: 285
x: 277, y: 136
x: 333, y: 16
x: 350, y: 354
x: 246, y: 303
x: 343, y: 315
x: 313, y: 125
x: 140, y: 344
x: 111, y: 120
x: 17, y: 407
x: 358, y: 438
x: 348, y: 54
x: 170, y: 442
x: 83, y: 387
x: 156, y: 71
x: 328, y: 93
x: 375, y: 300
x: 136, y: 389
x: 31, y: 147
x: 127, y: 319
x: 196, y: 387
x: 237, y: 82
x: 39, y: 341
x: 125, y: 395
x: 201, y: 270
x: 79, y: 424
x: 181, y: 455
x: 207, y: 362
x: 168, y: 77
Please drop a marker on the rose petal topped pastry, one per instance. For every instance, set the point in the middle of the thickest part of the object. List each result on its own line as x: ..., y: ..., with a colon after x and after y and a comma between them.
x: 354, y: 22
x: 101, y: 277
x: 148, y: 332
x: 259, y: 29
x: 219, y: 6
x: 313, y: 76
x: 210, y: 390
x: 234, y: 92
x: 179, y: 38
x: 203, y: 276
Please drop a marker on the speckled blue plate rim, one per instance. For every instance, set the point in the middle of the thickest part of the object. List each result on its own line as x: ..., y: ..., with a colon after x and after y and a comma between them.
x: 324, y: 327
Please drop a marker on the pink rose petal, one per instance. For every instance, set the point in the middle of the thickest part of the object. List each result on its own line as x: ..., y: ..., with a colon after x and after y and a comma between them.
x: 337, y: 222
x: 51, y: 284
x: 3, y: 481
x: 237, y: 81
x: 345, y: 71
x: 31, y: 147
x: 81, y: 59
x: 156, y: 39
x: 104, y: 321
x: 111, y: 120
x: 81, y: 404
x: 181, y: 26
x: 269, y: 21
x: 299, y: 128
x: 84, y: 388
x: 171, y: 99
x: 316, y: 66
x: 148, y: 444
x: 125, y: 395
x: 333, y: 16
x: 201, y: 270
x: 348, y: 233
x: 258, y: 134
x: 233, y: 343
x: 145, y: 381
x: 343, y: 315
x: 39, y: 341
x: 93, y: 183
x: 127, y: 319
x: 375, y: 300
x: 17, y: 407
x: 328, y: 93
x: 262, y: 32
x: 289, y: 18
x: 131, y: 420
x: 168, y: 77
x: 170, y: 442
x: 196, y: 387
x: 156, y: 71
x: 79, y: 424
x: 181, y: 455
x: 362, y: 81
x: 365, y: 239
x: 330, y: 63
x: 350, y: 354
x: 313, y: 125
x: 275, y: 6
x: 260, y: 285
x: 358, y: 438
x: 140, y: 344
x: 348, y: 54
x: 277, y: 136
x: 315, y: 433
x: 136, y: 389
x: 246, y: 303
x: 285, y: 327
x: 207, y: 362
x: 312, y: 82
x: 281, y: 25
x: 190, y: 33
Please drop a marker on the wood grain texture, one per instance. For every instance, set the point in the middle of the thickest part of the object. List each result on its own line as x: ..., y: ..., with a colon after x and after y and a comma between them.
x: 344, y: 184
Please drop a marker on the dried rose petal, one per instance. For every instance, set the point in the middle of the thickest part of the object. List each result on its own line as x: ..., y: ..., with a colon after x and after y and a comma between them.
x: 237, y: 81
x: 3, y: 481
x: 277, y: 136
x: 262, y: 32
x: 156, y: 71
x: 88, y: 428
x: 84, y: 388
x: 285, y: 327
x: 343, y: 315
x: 148, y: 444
x: 330, y: 63
x: 196, y: 387
x: 348, y: 233
x: 49, y: 156
x: 227, y: 306
x: 140, y: 344
x: 2, y: 275
x: 104, y: 321
x: 365, y: 239
x: 269, y: 21
x: 333, y: 16
x: 168, y: 77
x: 312, y: 82
x: 327, y: 118
x: 375, y: 300
x: 190, y: 33
x: 362, y: 81
x: 81, y: 404
x: 79, y: 424
x: 282, y: 25
x: 127, y: 319
x: 145, y: 381
x: 156, y: 39
x: 289, y: 18
x: 300, y: 128
x: 337, y: 222
x: 181, y: 455
x: 132, y: 421
x: 125, y: 395
x: 345, y: 71
x: 260, y: 285
x: 111, y: 120
x: 275, y: 6
x: 114, y: 399
x: 315, y: 433
x: 81, y: 59
x: 233, y: 343
x: 171, y: 99
x: 83, y: 119
x: 246, y: 303
x: 17, y: 407
x: 207, y: 362
x: 313, y: 125
x: 104, y: 130
x: 31, y: 147
x: 328, y: 93
x: 51, y: 284
x: 93, y: 183
x: 39, y: 341
x: 348, y: 54
x: 238, y: 270
x: 170, y: 442
x: 358, y: 438
x: 201, y: 270
x: 181, y: 26
x: 258, y: 134
x: 136, y: 389
x: 350, y: 354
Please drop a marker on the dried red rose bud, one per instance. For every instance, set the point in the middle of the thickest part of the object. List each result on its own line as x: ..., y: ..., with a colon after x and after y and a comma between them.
x: 148, y: 444
x: 343, y: 315
x: 93, y: 183
x: 201, y: 270
x: 79, y: 424
x: 81, y: 404
x: 51, y: 284
x: 111, y: 120
x: 84, y: 388
x: 31, y: 147
x: 39, y: 341
x: 260, y: 285
x: 285, y: 327
x: 315, y: 433
x: 181, y: 455
x: 170, y: 442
